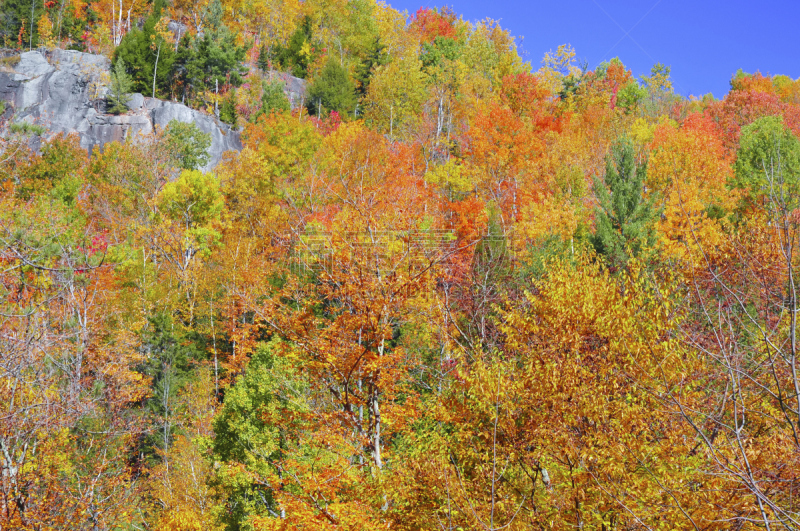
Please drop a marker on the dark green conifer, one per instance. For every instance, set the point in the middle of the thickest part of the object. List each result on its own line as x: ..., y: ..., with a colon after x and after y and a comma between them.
x: 624, y: 217
x: 143, y: 62
x: 227, y: 111
x: 273, y: 98
x: 332, y: 91
x: 120, y: 88
x: 293, y: 57
x: 264, y: 58
x: 376, y: 57
x: 205, y: 64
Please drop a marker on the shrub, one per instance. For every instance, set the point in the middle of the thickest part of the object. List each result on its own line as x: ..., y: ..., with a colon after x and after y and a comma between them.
x: 27, y: 128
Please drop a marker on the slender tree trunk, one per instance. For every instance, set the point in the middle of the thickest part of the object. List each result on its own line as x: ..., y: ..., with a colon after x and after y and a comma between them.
x: 439, y: 118
x: 214, y: 343
x: 30, y: 37
x: 165, y: 402
x: 375, y: 411
x: 376, y: 432
x: 119, y: 25
x: 494, y: 454
x: 155, y: 70
x: 60, y: 18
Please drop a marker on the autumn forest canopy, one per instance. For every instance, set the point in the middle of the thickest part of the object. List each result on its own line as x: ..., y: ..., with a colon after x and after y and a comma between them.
x: 439, y: 287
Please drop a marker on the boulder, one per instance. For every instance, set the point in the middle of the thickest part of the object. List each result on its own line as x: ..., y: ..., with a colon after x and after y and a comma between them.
x: 135, y: 102
x: 33, y: 64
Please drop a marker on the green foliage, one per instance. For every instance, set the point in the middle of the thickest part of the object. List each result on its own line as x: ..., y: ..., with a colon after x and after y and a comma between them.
x: 209, y: 62
x: 139, y: 49
x: 602, y: 69
x: 435, y: 53
x: 659, y: 96
x: 570, y: 86
x: 630, y: 96
x: 195, y: 203
x: 356, y: 26
x: 377, y: 56
x: 659, y: 77
x: 13, y: 15
x: 120, y: 88
x: 738, y: 77
x: 298, y: 53
x: 56, y: 171
x: 273, y: 99
x: 27, y: 128
x: 168, y: 365
x: 768, y: 164
x: 180, y: 67
x: 624, y: 218
x: 254, y: 431
x: 227, y: 111
x: 218, y: 59
x: 540, y: 254
x: 264, y: 58
x: 287, y: 147
x: 193, y: 199
x: 332, y: 91
x: 188, y: 144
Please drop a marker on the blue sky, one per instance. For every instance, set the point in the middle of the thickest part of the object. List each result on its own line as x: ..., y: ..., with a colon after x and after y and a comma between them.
x: 704, y: 41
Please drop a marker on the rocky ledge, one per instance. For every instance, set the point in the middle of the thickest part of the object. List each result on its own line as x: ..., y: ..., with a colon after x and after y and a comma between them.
x: 64, y: 92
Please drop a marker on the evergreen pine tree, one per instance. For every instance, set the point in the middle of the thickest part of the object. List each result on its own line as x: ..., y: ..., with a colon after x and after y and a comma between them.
x: 624, y: 216
x: 376, y: 57
x: 180, y: 67
x: 227, y: 112
x: 273, y: 98
x: 139, y: 56
x: 332, y: 91
x: 120, y: 88
x: 296, y: 56
x: 15, y: 15
x: 208, y: 62
x: 263, y: 58
x: 169, y: 367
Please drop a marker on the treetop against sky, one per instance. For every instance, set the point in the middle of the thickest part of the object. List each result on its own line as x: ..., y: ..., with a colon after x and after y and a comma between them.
x: 704, y: 41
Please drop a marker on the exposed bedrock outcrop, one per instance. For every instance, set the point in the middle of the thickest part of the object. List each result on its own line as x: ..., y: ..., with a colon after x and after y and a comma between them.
x: 65, y: 91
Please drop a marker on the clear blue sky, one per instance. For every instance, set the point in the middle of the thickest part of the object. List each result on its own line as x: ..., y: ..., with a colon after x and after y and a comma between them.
x: 704, y: 41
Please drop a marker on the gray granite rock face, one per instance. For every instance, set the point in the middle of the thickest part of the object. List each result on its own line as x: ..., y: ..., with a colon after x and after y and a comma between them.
x: 65, y: 92
x: 293, y: 87
x: 33, y: 64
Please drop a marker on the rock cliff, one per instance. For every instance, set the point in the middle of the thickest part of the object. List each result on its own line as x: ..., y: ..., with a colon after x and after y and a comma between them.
x: 64, y: 91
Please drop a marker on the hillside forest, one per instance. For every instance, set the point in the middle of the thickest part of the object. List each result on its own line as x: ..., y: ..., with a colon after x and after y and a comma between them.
x: 447, y: 290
